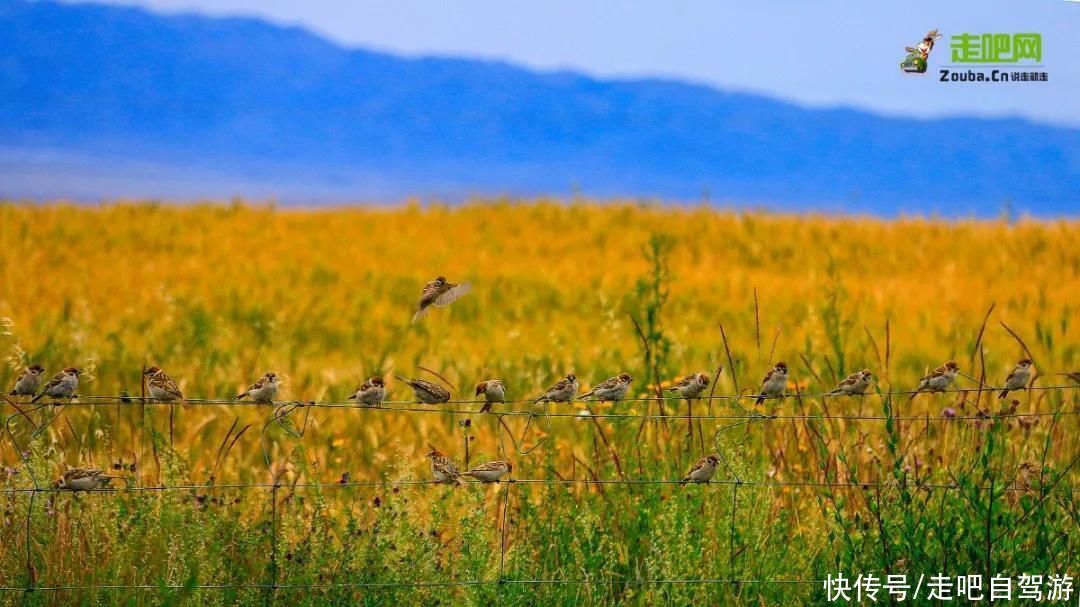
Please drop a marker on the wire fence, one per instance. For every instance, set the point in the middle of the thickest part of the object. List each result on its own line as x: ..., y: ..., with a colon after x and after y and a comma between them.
x: 282, y: 409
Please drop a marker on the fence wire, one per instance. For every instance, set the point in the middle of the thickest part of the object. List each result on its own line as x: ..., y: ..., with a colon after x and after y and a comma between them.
x: 282, y: 409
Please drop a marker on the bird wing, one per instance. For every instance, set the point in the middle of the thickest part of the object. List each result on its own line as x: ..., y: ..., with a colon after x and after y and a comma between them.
x: 697, y: 466
x: 768, y: 376
x: 164, y: 382
x: 488, y: 467
x: 55, y: 381
x: 78, y: 473
x: 452, y: 293
x: 850, y: 380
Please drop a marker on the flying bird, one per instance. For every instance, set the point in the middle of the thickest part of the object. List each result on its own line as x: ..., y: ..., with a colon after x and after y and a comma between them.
x: 439, y: 293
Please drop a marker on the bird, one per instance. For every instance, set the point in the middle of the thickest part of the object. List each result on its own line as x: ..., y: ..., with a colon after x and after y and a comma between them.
x: 691, y: 386
x: 939, y: 379
x: 443, y: 469
x: 494, y: 392
x: 1073, y: 375
x: 262, y: 391
x: 1018, y: 378
x: 563, y: 391
x: 611, y: 389
x: 490, y: 472
x: 84, y: 479
x: 427, y: 392
x: 62, y: 385
x: 160, y: 386
x: 28, y: 381
x: 856, y: 383
x: 775, y: 382
x: 441, y: 293
x: 371, y: 392
x: 703, y: 470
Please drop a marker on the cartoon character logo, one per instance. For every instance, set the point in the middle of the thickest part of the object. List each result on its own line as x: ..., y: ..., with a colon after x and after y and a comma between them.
x: 915, y: 62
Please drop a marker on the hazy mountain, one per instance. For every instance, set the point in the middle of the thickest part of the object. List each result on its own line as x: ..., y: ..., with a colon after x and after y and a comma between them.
x: 98, y: 101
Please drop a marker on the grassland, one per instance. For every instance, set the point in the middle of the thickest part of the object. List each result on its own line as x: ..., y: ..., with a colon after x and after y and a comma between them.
x: 219, y: 294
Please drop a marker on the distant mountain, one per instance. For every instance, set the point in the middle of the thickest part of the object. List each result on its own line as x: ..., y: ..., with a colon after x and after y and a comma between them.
x: 99, y: 101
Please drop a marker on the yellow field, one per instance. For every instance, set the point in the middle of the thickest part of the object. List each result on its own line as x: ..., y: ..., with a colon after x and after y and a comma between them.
x: 218, y: 295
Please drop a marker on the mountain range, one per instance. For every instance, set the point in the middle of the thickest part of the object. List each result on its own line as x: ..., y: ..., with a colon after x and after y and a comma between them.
x: 99, y: 101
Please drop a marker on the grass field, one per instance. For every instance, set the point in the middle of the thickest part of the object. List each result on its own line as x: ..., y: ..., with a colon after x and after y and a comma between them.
x: 219, y: 294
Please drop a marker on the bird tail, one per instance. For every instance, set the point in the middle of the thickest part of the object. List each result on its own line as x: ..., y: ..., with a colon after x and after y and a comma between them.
x: 683, y: 482
x: 240, y: 396
x: 485, y: 408
x: 351, y: 397
x: 37, y: 398
x: 460, y: 480
x: 760, y: 399
x: 1003, y: 394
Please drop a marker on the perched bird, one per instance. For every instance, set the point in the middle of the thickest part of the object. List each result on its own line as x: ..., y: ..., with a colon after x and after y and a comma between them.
x: 1073, y: 375
x: 703, y: 470
x: 262, y: 391
x: 427, y: 392
x: 62, y: 385
x: 1018, y: 378
x: 161, y: 387
x: 443, y: 469
x: 28, y: 381
x: 611, y: 389
x: 939, y: 379
x: 493, y: 391
x: 490, y: 472
x: 691, y: 386
x: 563, y: 391
x: 441, y: 293
x: 775, y: 382
x: 856, y: 383
x: 84, y: 479
x: 371, y: 392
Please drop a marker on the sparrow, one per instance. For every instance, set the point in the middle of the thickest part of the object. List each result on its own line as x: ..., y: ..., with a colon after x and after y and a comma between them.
x: 62, y: 385
x: 443, y: 469
x: 1073, y: 375
x: 611, y: 389
x: 856, y: 383
x: 703, y: 470
x: 1018, y: 378
x: 160, y: 386
x: 28, y: 381
x: 262, y: 391
x: 775, y: 382
x: 691, y: 386
x: 83, y: 479
x: 493, y: 391
x: 490, y: 472
x: 441, y: 293
x: 371, y: 392
x: 427, y: 392
x: 941, y: 378
x: 563, y: 391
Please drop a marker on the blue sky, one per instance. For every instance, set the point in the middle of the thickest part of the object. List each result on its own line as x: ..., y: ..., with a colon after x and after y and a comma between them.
x: 820, y: 53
